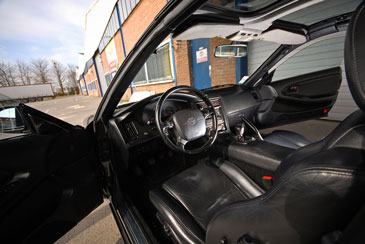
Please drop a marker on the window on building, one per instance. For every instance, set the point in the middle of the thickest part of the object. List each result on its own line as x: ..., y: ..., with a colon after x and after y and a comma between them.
x: 91, y: 86
x: 83, y: 89
x: 111, y: 29
x: 157, y: 68
x: 108, y: 78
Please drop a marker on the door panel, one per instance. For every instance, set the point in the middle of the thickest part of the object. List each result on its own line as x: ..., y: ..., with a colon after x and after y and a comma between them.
x: 49, y: 180
x: 201, y: 74
x: 302, y: 97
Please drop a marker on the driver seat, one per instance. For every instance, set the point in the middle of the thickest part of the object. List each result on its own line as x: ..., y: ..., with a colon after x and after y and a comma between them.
x: 316, y: 192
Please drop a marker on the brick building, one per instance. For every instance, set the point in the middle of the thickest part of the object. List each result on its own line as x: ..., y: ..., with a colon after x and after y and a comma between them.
x: 173, y: 63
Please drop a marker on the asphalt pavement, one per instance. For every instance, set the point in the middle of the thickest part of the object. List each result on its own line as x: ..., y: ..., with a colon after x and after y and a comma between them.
x: 72, y: 109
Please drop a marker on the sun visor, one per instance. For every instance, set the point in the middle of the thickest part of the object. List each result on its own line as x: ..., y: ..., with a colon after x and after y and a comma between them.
x: 208, y: 31
x: 283, y: 37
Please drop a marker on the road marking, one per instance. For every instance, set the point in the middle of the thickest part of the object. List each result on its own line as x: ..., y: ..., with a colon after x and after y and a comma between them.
x: 77, y: 106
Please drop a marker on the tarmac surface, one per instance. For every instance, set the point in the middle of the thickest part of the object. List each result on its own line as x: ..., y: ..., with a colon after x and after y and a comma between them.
x: 99, y: 226
x: 73, y: 109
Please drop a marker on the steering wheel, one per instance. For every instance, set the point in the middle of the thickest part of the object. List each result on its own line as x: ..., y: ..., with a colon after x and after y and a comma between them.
x: 188, y: 124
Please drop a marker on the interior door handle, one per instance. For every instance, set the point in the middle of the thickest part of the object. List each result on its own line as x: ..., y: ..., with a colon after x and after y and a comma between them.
x: 292, y: 89
x: 14, y: 181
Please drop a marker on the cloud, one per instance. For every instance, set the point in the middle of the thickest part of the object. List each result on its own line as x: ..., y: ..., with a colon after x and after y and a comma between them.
x: 50, y: 29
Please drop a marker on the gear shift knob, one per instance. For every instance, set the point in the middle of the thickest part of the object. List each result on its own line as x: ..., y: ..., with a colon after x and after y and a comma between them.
x: 240, y: 130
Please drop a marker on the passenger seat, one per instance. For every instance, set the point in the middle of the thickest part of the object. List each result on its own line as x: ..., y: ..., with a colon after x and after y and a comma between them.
x: 287, y: 139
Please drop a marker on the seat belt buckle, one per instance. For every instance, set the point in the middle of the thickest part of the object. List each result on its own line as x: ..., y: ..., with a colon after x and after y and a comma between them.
x: 267, y: 181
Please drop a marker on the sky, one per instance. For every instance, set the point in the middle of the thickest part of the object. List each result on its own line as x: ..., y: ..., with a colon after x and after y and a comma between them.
x: 50, y: 29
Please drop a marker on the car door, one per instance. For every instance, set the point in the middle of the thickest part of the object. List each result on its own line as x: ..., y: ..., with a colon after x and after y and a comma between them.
x: 306, y: 96
x: 306, y: 84
x: 49, y: 176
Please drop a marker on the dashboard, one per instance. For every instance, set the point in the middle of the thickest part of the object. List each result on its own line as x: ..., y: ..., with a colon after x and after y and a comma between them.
x: 136, y: 122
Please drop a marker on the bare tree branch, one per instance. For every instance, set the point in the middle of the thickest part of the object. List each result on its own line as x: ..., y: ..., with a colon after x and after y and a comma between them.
x: 24, y: 72
x: 7, y: 74
x: 59, y: 71
x: 72, y: 79
x: 41, y: 70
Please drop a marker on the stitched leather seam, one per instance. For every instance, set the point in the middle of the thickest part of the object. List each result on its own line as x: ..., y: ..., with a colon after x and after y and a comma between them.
x: 344, y: 172
x: 357, y: 79
x: 265, y: 197
x: 344, y: 134
x: 334, y: 171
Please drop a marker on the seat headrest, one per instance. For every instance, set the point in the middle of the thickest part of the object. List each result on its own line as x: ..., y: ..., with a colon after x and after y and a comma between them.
x: 355, y: 56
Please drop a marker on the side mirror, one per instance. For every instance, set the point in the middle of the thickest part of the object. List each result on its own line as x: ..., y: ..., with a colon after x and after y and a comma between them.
x: 11, y: 120
x: 231, y: 51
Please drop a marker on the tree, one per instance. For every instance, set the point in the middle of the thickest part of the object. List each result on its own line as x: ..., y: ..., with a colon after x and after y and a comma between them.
x: 24, y: 72
x: 71, y: 78
x: 7, y: 74
x: 59, y: 71
x: 40, y: 69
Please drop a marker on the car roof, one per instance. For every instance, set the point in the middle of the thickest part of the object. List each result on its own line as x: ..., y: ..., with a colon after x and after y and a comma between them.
x: 274, y: 21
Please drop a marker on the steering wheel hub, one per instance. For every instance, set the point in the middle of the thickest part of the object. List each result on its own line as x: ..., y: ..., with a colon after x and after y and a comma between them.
x: 188, y: 124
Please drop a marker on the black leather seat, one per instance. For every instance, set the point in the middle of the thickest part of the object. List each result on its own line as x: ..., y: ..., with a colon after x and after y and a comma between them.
x: 288, y: 139
x: 316, y: 192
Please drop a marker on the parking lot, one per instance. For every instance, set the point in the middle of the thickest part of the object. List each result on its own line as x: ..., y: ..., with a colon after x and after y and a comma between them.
x: 72, y: 109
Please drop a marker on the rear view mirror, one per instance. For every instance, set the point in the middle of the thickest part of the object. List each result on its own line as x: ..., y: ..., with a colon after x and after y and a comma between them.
x: 10, y: 120
x: 231, y: 51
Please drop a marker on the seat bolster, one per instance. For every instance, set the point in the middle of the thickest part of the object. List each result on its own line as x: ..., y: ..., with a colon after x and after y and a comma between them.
x: 183, y: 227
x: 287, y: 139
x: 240, y: 179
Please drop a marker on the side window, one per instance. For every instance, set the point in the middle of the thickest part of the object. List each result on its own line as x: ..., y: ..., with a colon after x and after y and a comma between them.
x: 321, y: 55
x: 157, y: 67
x: 11, y: 123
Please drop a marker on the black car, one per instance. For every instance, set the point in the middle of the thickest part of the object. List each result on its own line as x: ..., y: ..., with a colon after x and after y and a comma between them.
x: 191, y: 166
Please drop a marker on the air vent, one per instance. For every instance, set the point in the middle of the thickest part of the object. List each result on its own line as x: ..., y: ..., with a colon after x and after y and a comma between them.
x: 130, y: 130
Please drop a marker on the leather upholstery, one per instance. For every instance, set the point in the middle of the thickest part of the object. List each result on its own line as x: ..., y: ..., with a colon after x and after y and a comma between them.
x: 202, y: 190
x: 188, y: 201
x: 315, y: 198
x: 317, y: 189
x: 261, y: 154
x: 240, y: 179
x: 287, y: 139
x: 181, y: 224
x: 354, y: 56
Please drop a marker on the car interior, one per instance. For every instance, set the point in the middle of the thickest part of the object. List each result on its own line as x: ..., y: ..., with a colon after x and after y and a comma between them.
x: 222, y: 181
x: 192, y: 166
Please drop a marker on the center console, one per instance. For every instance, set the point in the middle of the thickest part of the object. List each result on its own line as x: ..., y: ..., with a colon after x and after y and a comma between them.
x: 219, y: 112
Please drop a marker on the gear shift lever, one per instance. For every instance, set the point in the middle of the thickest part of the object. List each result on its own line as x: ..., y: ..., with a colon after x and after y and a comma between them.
x: 240, y: 131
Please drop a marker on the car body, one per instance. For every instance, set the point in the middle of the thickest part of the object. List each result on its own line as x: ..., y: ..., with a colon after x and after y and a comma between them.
x: 122, y: 154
